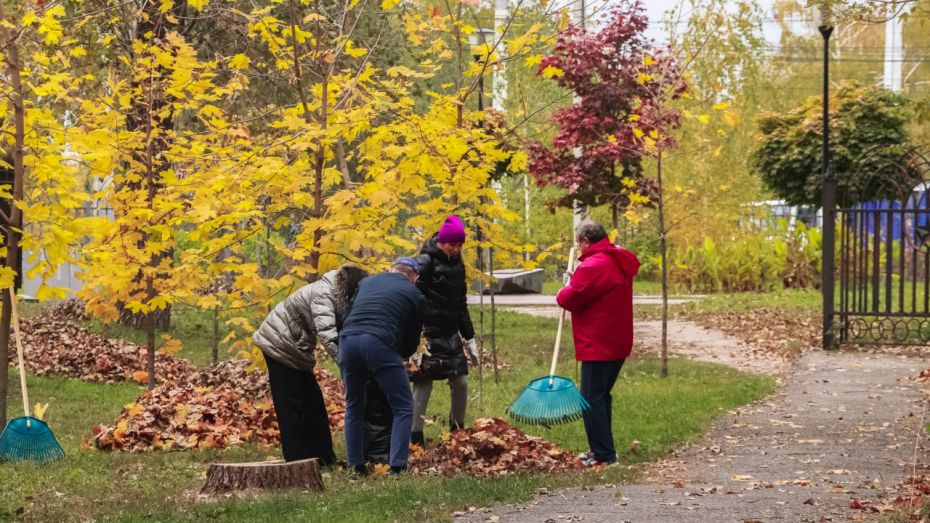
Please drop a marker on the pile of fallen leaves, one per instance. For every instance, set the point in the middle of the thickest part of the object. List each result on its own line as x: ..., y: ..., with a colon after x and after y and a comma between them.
x: 333, y: 396
x: 70, y: 309
x: 492, y: 447
x: 187, y: 416
x: 225, y: 405
x: 58, y: 347
x: 217, y: 407
x: 254, y: 384
x: 775, y: 331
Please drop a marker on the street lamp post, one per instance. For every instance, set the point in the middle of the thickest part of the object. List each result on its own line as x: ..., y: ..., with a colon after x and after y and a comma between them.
x: 829, y: 197
x: 479, y: 40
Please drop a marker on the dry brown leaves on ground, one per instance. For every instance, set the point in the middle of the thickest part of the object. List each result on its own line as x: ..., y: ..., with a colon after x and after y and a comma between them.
x: 492, y: 447
x: 225, y: 405
x: 57, y: 347
x: 777, y: 331
x: 212, y: 408
x: 906, y: 499
x: 70, y: 309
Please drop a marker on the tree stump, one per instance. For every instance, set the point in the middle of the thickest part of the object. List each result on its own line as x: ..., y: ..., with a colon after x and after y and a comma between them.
x: 263, y: 475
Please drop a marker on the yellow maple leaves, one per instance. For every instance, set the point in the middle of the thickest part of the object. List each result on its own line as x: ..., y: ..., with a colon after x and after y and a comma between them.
x: 239, y: 61
x: 182, y: 192
x: 551, y: 72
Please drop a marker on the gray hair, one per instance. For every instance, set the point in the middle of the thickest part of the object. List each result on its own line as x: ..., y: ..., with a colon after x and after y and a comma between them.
x: 592, y: 231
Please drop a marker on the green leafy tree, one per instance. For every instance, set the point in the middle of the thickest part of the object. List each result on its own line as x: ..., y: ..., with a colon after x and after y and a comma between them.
x: 869, y: 153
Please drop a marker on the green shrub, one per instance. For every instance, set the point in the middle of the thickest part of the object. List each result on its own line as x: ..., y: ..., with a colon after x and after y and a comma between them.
x: 788, y: 257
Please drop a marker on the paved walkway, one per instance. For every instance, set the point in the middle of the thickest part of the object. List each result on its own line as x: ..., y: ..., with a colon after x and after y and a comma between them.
x: 541, y: 300
x: 844, y: 426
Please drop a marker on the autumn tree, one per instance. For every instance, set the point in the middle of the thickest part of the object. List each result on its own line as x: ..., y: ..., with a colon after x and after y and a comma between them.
x: 709, y: 178
x: 868, y: 130
x: 36, y: 137
x: 596, y: 154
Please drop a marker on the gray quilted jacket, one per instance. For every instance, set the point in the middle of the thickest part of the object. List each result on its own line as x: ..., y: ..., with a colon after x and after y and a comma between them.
x: 290, y: 332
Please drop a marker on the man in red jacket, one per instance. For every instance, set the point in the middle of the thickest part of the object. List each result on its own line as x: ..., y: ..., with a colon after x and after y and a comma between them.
x: 600, y: 297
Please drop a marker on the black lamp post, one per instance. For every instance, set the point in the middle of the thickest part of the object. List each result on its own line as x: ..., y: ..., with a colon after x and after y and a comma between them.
x: 479, y: 41
x: 829, y: 198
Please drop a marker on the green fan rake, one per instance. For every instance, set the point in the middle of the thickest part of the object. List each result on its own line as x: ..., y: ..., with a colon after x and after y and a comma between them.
x: 26, y: 438
x: 550, y: 400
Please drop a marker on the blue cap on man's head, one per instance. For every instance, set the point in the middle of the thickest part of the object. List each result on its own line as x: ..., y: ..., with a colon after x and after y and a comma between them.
x: 406, y: 261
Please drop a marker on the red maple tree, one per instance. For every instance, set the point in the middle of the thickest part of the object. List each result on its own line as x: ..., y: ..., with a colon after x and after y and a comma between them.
x: 615, y: 74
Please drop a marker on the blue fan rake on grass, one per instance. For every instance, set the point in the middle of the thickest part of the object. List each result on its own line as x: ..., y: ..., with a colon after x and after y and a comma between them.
x: 26, y: 438
x: 550, y: 400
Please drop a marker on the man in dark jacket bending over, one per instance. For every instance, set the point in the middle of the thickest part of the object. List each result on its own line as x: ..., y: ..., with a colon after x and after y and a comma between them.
x: 381, y: 330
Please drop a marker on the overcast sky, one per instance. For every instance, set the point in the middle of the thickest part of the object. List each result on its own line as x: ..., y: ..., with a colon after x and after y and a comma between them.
x: 658, y: 8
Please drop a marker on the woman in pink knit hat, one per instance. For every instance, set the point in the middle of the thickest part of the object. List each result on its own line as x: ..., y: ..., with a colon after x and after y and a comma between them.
x: 447, y: 326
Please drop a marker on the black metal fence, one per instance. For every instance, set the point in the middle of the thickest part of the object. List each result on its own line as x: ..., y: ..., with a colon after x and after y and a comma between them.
x: 884, y: 272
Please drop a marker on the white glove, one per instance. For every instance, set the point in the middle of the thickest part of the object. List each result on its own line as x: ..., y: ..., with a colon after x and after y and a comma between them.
x: 471, y: 350
x: 418, y: 355
x: 566, y: 277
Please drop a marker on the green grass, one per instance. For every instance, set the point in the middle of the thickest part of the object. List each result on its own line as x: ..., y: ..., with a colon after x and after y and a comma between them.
x: 791, y: 299
x: 161, y: 486
x: 906, y: 515
x: 744, y: 301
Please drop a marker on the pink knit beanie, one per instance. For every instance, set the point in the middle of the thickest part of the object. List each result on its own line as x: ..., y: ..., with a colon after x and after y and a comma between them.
x: 452, y: 231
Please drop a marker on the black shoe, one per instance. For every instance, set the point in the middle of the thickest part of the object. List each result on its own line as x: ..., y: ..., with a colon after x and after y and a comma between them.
x: 416, y: 438
x: 454, y: 427
x: 359, y: 470
x: 396, y: 470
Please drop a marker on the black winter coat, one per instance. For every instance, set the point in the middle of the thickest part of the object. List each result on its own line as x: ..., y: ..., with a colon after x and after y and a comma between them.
x: 442, y: 282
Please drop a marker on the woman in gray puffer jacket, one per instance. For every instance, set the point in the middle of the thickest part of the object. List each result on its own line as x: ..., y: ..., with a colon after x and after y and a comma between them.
x: 287, y: 338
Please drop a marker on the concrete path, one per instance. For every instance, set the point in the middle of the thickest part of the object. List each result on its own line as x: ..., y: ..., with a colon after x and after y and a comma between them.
x: 689, y: 340
x: 844, y: 426
x: 541, y: 300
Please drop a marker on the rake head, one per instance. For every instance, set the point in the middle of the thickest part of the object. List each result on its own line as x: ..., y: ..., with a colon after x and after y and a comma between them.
x: 548, y: 401
x: 28, y: 438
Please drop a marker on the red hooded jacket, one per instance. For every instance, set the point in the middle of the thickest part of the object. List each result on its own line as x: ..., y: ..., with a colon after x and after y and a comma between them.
x: 600, y: 298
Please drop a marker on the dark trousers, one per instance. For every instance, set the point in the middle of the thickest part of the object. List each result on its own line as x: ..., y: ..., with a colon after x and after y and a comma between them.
x: 597, y: 380
x: 302, y: 417
x: 378, y: 421
x: 361, y: 356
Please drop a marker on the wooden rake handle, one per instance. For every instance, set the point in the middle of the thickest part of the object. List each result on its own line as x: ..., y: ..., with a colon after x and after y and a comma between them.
x: 19, y: 351
x: 558, y: 333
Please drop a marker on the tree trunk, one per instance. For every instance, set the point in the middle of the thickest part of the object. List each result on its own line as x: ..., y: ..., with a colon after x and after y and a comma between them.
x: 139, y: 321
x: 11, y: 236
x: 146, y: 115
x: 663, y: 248
x: 479, y: 237
x: 343, y: 164
x: 150, y: 337
x: 497, y: 376
x: 263, y: 475
x: 215, y: 351
x: 319, y: 156
x: 615, y: 201
x: 526, y: 216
